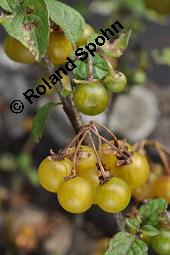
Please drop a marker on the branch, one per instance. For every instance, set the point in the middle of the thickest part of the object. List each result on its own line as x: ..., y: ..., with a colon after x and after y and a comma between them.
x: 68, y: 105
x: 76, y: 121
x: 72, y: 113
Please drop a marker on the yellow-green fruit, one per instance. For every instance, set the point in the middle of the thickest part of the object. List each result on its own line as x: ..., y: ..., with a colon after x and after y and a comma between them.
x: 91, y: 176
x: 17, y: 52
x: 144, y: 192
x: 51, y: 173
x: 88, y: 30
x: 91, y: 98
x: 109, y: 159
x: 162, y: 187
x: 59, y: 48
x: 86, y: 159
x: 147, y: 191
x: 161, y: 243
x: 135, y: 173
x: 113, y: 196
x: 76, y: 195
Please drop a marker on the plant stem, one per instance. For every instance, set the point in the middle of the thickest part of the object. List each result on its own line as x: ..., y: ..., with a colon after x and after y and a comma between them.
x: 72, y: 113
x: 76, y: 121
x: 120, y: 221
x: 68, y: 106
x: 98, y: 158
x: 90, y: 68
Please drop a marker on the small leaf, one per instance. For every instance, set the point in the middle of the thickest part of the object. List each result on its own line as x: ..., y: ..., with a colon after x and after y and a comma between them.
x: 149, y: 230
x: 150, y: 212
x: 100, y: 69
x: 117, y: 48
x: 123, y: 40
x: 8, y: 5
x: 65, y: 92
x: 126, y: 244
x: 70, y: 21
x: 133, y: 223
x: 80, y: 72
x: 39, y: 120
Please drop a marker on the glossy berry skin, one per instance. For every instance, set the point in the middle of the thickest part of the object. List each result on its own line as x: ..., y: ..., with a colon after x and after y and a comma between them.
x: 91, y: 98
x: 162, y: 187
x: 59, y: 48
x: 144, y: 192
x: 109, y: 159
x: 88, y: 30
x: 91, y: 176
x: 86, y: 159
x: 17, y: 52
x: 161, y: 243
x: 51, y: 173
x: 113, y: 196
x: 117, y: 83
x: 147, y: 191
x: 76, y: 195
x: 135, y: 173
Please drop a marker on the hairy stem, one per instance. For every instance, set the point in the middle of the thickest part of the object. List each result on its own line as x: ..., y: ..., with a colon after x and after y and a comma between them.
x: 120, y: 221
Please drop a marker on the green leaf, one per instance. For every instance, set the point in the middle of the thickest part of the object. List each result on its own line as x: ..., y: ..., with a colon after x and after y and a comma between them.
x: 133, y: 223
x: 80, y: 72
x: 123, y: 40
x: 8, y: 5
x: 126, y: 244
x: 39, y: 120
x: 70, y: 21
x: 117, y: 48
x: 151, y: 212
x: 30, y: 25
x: 149, y: 230
x: 100, y: 69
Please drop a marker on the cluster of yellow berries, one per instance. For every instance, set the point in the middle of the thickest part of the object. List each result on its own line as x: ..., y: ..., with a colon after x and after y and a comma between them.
x: 77, y: 193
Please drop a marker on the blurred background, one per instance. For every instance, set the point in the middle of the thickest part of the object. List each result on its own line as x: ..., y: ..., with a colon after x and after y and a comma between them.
x: 31, y: 220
